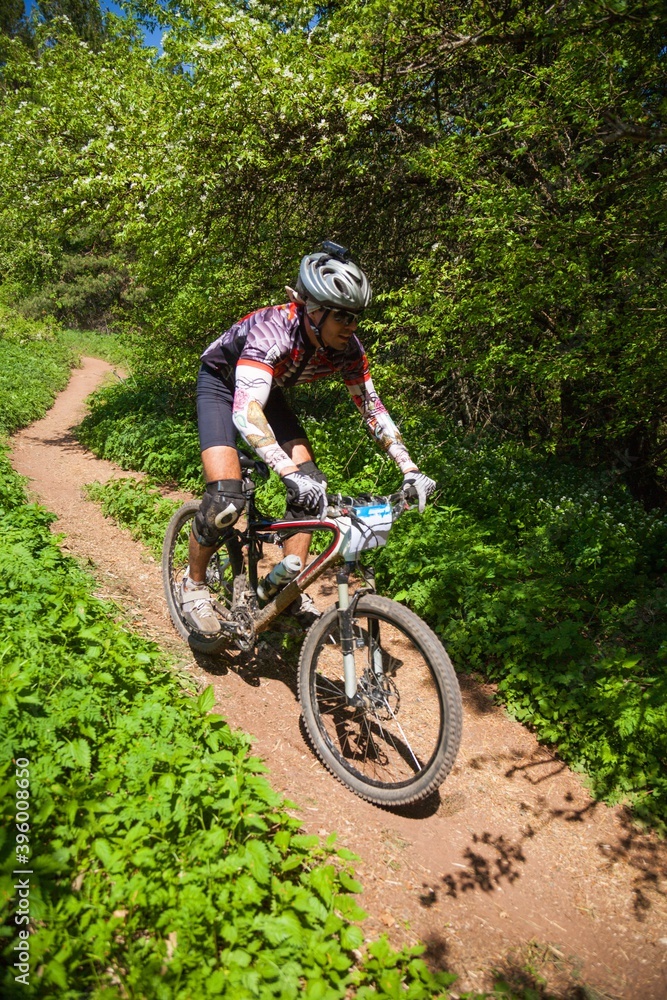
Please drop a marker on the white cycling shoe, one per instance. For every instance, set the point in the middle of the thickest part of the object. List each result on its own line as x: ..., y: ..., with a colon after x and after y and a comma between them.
x: 304, y: 610
x: 197, y: 607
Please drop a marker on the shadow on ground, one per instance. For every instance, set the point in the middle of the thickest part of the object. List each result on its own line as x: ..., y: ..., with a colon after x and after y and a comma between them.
x: 534, y: 972
x: 647, y: 856
x: 541, y: 972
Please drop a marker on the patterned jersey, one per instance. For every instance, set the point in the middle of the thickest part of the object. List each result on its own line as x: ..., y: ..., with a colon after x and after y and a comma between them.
x: 273, y: 341
x: 274, y: 338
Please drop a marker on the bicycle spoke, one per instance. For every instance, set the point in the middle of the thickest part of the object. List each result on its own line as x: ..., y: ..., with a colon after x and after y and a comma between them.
x: 389, y: 736
x: 403, y: 737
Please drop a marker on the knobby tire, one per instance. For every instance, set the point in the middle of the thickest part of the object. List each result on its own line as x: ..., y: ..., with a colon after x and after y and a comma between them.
x: 400, y: 745
x: 174, y: 561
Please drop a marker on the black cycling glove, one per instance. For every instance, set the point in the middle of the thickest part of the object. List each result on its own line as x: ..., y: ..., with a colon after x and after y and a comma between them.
x: 306, y: 493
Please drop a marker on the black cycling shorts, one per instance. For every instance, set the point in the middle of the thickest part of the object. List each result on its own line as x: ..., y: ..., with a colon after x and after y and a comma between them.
x: 214, y: 413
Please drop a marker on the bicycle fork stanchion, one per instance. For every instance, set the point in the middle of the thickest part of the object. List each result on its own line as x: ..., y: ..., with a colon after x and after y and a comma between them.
x: 345, y: 630
x: 375, y: 649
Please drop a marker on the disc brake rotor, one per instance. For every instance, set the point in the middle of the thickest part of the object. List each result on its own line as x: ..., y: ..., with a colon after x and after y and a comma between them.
x: 379, y: 695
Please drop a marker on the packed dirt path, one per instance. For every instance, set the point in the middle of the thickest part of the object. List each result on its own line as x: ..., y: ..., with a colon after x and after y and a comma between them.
x: 511, y: 866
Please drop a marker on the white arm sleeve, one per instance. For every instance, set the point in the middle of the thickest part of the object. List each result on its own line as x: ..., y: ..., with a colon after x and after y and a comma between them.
x: 382, y: 427
x: 253, y: 385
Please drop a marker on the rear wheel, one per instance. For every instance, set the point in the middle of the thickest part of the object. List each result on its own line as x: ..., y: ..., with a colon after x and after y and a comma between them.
x: 399, y: 740
x: 219, y: 579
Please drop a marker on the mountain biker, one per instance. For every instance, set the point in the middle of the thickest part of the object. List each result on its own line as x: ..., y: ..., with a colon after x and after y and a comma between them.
x: 239, y: 388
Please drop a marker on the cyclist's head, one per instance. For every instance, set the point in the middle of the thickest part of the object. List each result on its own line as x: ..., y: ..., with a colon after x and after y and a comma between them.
x: 328, y: 280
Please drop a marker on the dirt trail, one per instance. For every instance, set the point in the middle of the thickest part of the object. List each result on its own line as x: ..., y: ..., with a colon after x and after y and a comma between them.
x: 512, y: 865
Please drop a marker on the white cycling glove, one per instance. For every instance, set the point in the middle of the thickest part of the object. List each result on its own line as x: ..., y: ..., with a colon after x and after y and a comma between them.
x: 302, y: 491
x: 421, y: 484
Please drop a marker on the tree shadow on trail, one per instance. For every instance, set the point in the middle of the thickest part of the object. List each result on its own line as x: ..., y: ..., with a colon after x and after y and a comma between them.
x: 490, y: 861
x: 647, y: 856
x: 478, y: 697
x: 535, y: 973
x: 436, y: 952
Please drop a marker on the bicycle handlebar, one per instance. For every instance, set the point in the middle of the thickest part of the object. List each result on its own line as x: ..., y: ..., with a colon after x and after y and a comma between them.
x: 338, y: 500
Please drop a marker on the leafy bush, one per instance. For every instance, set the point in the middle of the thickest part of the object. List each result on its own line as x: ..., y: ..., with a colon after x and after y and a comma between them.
x: 87, y: 292
x: 35, y: 366
x: 164, y: 865
x: 150, y: 429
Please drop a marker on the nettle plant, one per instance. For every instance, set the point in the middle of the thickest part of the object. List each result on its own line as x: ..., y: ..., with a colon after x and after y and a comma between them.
x: 164, y: 864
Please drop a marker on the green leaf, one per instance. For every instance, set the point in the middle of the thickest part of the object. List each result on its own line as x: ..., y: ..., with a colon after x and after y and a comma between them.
x: 206, y: 700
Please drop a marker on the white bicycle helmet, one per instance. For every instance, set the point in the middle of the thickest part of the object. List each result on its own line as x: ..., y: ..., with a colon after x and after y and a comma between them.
x: 332, y: 281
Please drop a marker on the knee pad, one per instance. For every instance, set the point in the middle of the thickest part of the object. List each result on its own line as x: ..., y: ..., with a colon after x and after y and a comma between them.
x: 221, y: 507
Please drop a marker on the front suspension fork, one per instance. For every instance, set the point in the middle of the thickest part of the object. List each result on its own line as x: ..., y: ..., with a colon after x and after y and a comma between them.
x: 346, y: 609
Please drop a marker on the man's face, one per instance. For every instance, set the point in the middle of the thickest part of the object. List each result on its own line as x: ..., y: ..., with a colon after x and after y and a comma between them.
x: 337, y: 329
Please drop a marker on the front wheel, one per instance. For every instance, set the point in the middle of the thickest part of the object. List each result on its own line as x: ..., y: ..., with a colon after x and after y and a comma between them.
x: 398, y: 741
x: 219, y: 579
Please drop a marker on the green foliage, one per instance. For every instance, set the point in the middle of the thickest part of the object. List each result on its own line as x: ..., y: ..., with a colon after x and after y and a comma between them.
x: 502, y: 175
x: 84, y: 16
x: 164, y: 864
x: 86, y: 293
x: 35, y: 366
x: 385, y: 973
x: 12, y: 19
x: 136, y: 505
x: 140, y: 428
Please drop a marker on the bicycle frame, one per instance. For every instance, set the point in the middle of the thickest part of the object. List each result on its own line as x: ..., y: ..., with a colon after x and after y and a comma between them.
x: 260, y: 530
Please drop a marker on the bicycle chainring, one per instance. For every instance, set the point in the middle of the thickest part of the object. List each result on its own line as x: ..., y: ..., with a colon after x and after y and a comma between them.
x: 245, y: 629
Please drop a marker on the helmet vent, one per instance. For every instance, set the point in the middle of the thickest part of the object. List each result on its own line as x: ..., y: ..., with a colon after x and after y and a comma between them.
x: 334, y: 283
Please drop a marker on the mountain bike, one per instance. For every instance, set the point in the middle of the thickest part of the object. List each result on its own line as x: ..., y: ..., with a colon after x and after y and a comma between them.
x: 379, y: 696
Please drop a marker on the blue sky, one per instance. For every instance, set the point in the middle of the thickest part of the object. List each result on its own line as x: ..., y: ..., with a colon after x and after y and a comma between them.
x: 150, y: 37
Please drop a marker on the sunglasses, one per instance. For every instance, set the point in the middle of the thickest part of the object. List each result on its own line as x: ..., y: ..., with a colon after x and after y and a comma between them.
x: 344, y: 317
